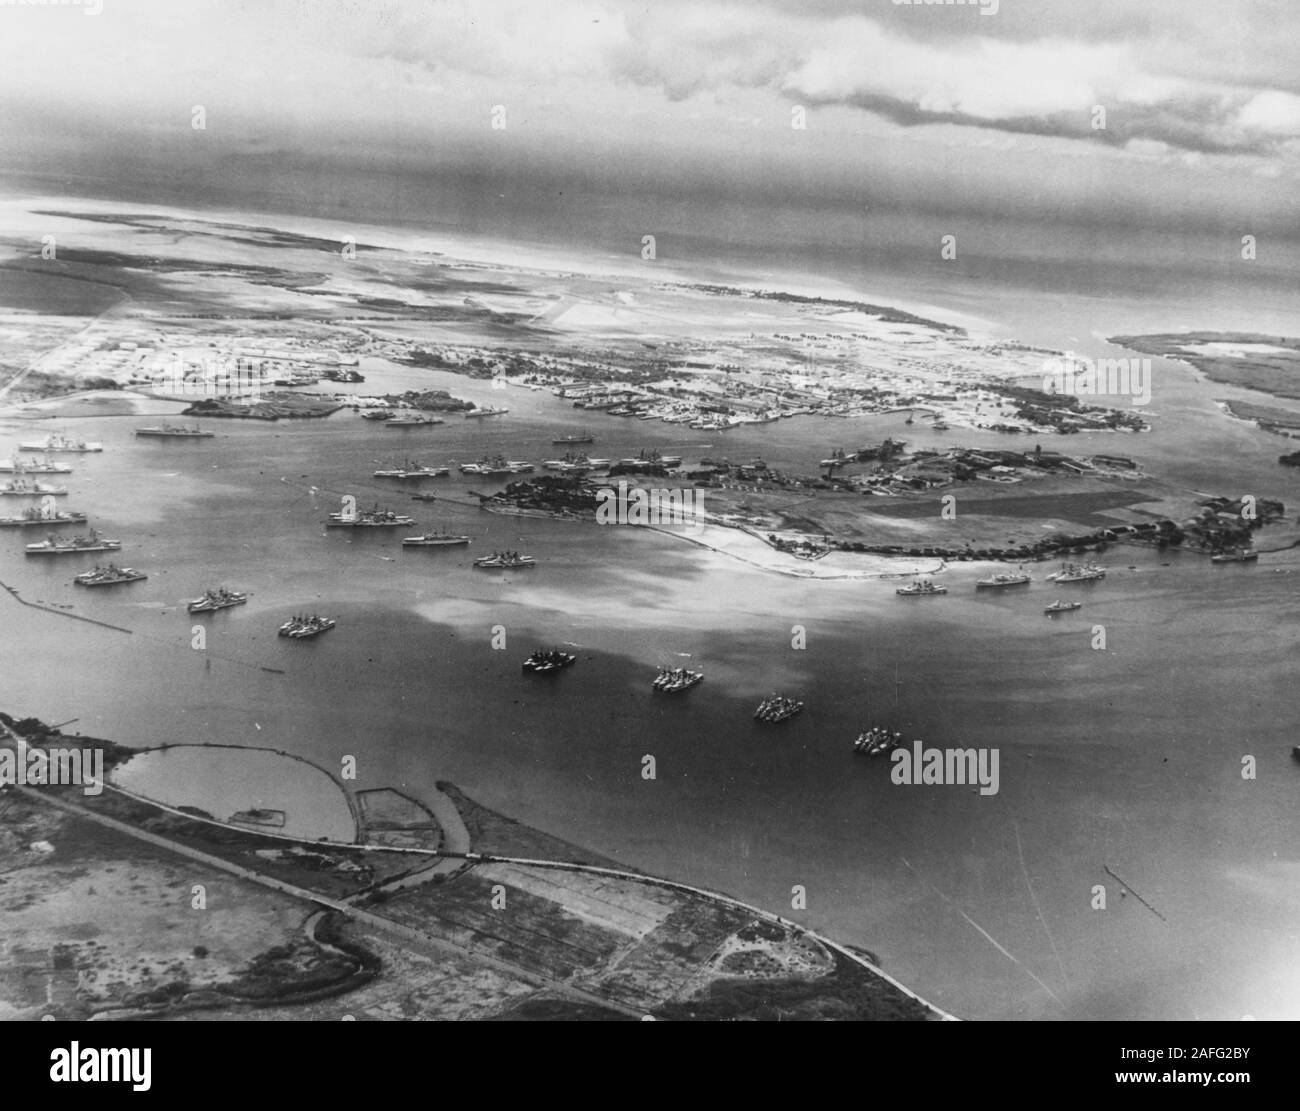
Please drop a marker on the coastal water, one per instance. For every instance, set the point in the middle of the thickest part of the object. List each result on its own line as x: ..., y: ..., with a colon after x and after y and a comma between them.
x: 1128, y: 757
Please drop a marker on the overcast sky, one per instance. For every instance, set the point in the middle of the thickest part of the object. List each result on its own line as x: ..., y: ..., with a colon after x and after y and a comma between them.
x: 948, y: 105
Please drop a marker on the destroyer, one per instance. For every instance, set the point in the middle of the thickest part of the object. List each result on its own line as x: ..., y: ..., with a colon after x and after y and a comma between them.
x: 92, y: 542
x: 549, y: 659
x: 217, y: 599
x: 109, y: 576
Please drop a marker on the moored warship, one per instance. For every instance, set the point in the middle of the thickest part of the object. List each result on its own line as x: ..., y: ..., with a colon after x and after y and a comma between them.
x: 109, y: 576
x: 217, y: 599
x: 91, y: 542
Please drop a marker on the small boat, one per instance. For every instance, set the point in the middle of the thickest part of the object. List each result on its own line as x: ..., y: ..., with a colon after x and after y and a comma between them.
x: 487, y: 411
x: 1062, y: 607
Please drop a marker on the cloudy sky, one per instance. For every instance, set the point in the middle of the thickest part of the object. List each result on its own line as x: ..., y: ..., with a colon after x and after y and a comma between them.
x: 945, y: 107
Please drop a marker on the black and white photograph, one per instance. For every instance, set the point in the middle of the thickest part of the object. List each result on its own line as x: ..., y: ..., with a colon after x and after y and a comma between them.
x: 706, y: 511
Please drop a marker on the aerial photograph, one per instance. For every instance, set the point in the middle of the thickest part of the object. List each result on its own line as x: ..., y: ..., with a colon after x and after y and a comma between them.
x: 578, y: 510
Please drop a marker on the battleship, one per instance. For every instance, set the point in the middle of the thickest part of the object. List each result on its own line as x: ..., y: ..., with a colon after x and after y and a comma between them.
x: 583, y: 437
x: 1062, y: 607
x: 921, y: 586
x: 777, y: 708
x: 1015, y: 578
x: 217, y: 599
x: 549, y: 659
x: 570, y: 462
x: 504, y: 561
x: 496, y: 466
x: 91, y: 542
x: 25, y: 488
x: 57, y: 442
x: 1077, y: 573
x: 488, y: 411
x: 173, y: 431
x: 434, y: 540
x: 674, y: 679
x: 369, y: 518
x: 413, y: 422
x: 413, y: 470
x: 302, y: 627
x: 652, y: 456
x: 876, y: 740
x: 109, y: 576
x: 33, y: 516
x: 33, y: 466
